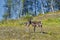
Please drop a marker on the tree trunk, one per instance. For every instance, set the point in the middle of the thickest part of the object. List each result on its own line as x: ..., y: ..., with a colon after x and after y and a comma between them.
x: 42, y: 7
x: 52, y: 8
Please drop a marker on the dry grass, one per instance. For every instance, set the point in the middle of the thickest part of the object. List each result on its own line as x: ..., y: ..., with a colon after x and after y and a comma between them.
x: 16, y: 30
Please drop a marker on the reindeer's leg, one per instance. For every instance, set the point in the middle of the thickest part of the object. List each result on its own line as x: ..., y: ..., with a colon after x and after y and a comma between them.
x: 27, y: 28
x: 34, y: 28
x: 41, y: 29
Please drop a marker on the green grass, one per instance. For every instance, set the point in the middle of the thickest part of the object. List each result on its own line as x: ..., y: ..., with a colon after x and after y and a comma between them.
x: 16, y: 29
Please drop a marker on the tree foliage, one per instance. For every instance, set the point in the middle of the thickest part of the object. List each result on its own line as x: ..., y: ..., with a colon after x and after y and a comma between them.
x: 19, y: 8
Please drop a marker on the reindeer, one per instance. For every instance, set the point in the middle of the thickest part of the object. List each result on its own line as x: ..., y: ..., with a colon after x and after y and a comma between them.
x: 34, y: 24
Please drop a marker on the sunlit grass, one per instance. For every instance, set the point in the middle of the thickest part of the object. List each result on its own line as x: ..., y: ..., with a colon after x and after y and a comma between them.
x: 51, y: 27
